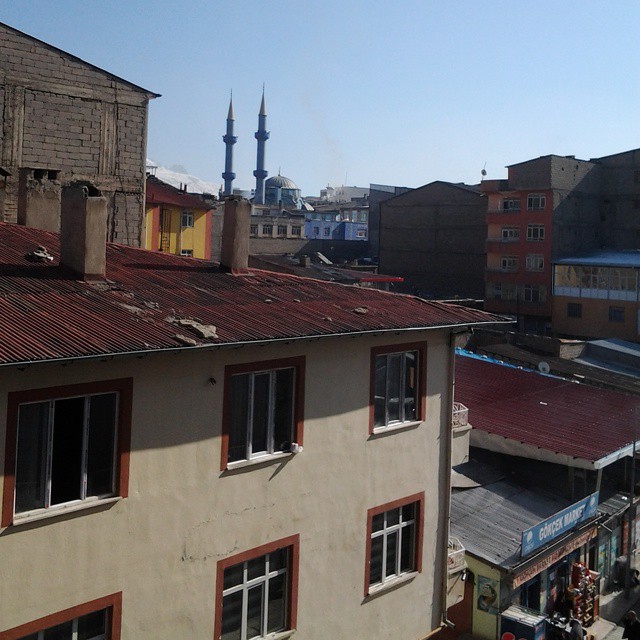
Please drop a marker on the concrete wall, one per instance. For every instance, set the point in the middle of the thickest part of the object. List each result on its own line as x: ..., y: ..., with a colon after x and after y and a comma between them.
x: 160, y: 545
x: 435, y: 237
x: 62, y: 114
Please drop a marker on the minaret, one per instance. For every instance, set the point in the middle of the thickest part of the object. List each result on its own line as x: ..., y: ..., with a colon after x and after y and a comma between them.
x: 229, y: 140
x: 262, y: 135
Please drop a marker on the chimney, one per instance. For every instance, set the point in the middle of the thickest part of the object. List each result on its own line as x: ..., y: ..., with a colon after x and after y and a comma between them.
x: 235, y: 235
x: 83, y: 230
x: 305, y: 261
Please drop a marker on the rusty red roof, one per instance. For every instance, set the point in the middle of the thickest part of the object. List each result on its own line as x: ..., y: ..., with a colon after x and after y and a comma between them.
x: 155, y: 301
x: 550, y: 413
x: 159, y: 192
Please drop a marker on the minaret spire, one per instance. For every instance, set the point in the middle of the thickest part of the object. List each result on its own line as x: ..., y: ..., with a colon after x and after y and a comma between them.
x: 229, y: 140
x: 262, y: 135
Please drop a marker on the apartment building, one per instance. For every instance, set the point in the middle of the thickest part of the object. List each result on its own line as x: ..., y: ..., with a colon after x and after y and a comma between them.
x: 181, y: 459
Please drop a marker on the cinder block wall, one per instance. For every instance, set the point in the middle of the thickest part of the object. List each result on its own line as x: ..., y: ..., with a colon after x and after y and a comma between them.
x: 62, y: 114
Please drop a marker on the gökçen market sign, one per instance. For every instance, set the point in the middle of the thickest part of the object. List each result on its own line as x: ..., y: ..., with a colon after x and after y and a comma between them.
x: 549, y: 529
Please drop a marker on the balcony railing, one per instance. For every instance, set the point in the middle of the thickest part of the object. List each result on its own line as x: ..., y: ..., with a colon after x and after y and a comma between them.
x: 455, y: 558
x: 460, y: 416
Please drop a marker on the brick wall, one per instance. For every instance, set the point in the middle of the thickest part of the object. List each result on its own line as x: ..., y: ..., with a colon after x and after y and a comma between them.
x: 60, y: 113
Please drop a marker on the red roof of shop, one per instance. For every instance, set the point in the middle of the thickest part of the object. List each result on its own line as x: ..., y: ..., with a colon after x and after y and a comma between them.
x: 150, y: 297
x: 550, y: 413
x: 159, y: 192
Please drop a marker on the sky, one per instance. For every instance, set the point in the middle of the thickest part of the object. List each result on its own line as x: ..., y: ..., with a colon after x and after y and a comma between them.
x: 358, y: 92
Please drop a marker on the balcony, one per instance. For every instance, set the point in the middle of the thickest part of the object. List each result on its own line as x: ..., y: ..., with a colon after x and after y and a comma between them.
x: 460, y: 416
x: 455, y: 558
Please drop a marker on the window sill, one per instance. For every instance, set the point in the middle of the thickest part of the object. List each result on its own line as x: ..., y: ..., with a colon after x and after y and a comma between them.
x: 280, y: 635
x: 390, y: 585
x: 61, y: 510
x: 262, y: 460
x: 401, y: 426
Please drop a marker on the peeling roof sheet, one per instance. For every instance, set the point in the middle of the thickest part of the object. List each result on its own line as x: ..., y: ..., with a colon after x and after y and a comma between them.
x: 550, y: 413
x: 47, y: 314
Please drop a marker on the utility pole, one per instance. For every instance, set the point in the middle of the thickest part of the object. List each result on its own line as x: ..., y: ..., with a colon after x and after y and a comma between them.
x: 631, y: 519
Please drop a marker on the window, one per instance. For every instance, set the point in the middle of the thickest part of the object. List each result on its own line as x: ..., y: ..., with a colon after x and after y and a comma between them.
x: 282, y: 230
x: 509, y: 263
x: 574, y: 310
x: 361, y: 233
x: 327, y: 231
x: 316, y: 231
x: 267, y: 229
x: 253, y: 229
x: 394, y: 541
x: 511, y: 204
x: 535, y: 262
x: 66, y: 446
x: 536, y: 202
x: 510, y: 234
x: 187, y: 219
x: 363, y: 216
x: 262, y: 409
x: 295, y: 231
x: 188, y: 253
x: 257, y: 591
x: 616, y: 314
x: 397, y: 386
x: 535, y: 232
x: 96, y: 620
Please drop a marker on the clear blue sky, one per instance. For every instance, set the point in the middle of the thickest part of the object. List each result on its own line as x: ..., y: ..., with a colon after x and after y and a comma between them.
x: 391, y: 92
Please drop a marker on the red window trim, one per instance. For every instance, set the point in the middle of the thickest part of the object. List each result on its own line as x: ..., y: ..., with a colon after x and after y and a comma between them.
x: 418, y: 498
x: 112, y: 602
x: 293, y: 543
x: 298, y: 363
x: 124, y: 386
x: 421, y: 348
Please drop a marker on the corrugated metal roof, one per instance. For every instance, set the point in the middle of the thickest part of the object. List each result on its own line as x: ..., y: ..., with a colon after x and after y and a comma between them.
x: 489, y: 520
x: 553, y: 414
x: 48, y: 314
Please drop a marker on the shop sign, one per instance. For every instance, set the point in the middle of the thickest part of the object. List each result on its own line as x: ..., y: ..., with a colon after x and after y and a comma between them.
x: 544, y: 563
x: 549, y: 529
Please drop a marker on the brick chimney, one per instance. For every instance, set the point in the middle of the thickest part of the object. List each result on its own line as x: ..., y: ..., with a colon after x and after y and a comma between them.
x: 235, y: 235
x: 83, y: 231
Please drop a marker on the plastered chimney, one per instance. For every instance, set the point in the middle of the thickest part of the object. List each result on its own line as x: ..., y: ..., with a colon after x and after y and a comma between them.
x: 234, y: 255
x: 83, y: 231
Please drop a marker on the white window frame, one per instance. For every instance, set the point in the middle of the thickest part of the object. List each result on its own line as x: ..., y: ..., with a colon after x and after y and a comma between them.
x: 508, y: 263
x: 534, y: 262
x: 511, y: 204
x: 186, y: 220
x: 48, y: 458
x: 535, y: 232
x: 510, y: 234
x: 186, y: 253
x: 253, y: 229
x: 296, y: 230
x: 247, y: 584
x: 39, y: 635
x: 267, y: 229
x: 361, y: 233
x: 282, y: 229
x: 536, y: 202
x: 385, y: 533
x: 402, y: 399
x: 271, y: 425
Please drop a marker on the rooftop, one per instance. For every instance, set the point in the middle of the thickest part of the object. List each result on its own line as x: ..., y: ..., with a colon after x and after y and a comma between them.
x: 153, y: 301
x: 159, y: 192
x: 545, y: 413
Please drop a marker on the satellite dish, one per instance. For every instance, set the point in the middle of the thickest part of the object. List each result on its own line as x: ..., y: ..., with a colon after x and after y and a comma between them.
x: 543, y: 367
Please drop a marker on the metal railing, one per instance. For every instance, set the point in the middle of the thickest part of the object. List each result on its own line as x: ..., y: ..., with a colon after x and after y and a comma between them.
x: 460, y: 416
x: 455, y: 558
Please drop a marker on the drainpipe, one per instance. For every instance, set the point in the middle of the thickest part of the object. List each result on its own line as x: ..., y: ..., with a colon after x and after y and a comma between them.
x: 447, y: 466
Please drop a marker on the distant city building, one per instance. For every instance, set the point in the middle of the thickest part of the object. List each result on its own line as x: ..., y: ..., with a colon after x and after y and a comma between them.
x: 176, y: 222
x: 343, y: 193
x: 597, y: 295
x: 339, y: 222
x: 549, y: 208
x: 434, y: 237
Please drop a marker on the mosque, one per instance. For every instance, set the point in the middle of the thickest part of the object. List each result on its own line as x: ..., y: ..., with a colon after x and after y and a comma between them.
x: 277, y: 191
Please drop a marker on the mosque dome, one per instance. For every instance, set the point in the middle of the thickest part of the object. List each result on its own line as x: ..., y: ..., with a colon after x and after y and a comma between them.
x: 280, y: 182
